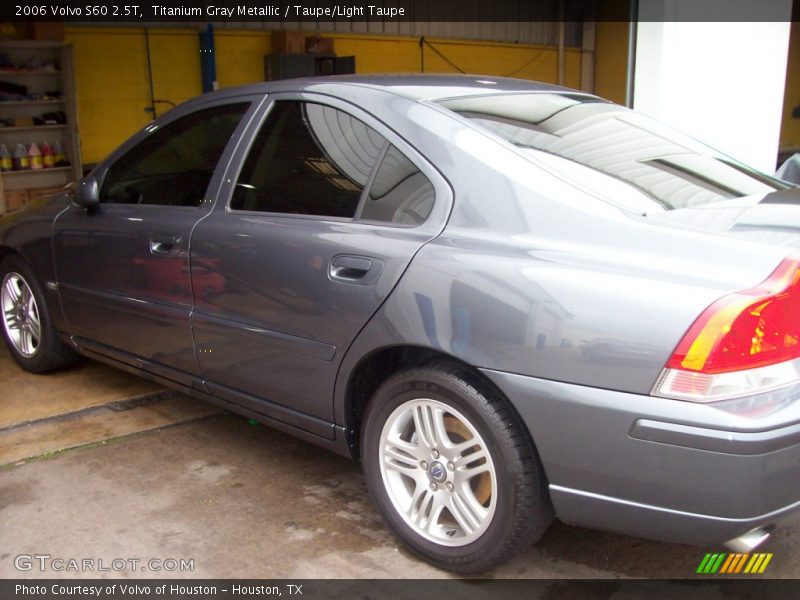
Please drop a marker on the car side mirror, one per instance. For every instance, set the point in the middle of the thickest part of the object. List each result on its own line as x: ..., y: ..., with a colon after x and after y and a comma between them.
x: 88, y: 193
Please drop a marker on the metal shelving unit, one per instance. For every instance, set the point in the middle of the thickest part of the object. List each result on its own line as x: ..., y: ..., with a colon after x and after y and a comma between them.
x: 39, y: 81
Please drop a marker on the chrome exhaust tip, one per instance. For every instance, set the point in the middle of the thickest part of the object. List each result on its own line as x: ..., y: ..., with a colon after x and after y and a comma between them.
x: 749, y: 541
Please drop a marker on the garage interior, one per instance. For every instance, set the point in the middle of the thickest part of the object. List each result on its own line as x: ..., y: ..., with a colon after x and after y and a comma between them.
x: 97, y: 462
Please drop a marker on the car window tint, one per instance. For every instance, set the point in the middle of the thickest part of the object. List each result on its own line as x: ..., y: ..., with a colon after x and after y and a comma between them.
x: 174, y: 164
x: 400, y: 193
x: 308, y: 159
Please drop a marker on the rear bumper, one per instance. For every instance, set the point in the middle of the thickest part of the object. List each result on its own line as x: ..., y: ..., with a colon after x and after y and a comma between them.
x: 663, y: 469
x: 585, y: 509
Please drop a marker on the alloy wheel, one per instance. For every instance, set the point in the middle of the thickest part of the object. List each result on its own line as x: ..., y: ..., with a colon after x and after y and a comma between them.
x: 20, y: 315
x: 438, y: 472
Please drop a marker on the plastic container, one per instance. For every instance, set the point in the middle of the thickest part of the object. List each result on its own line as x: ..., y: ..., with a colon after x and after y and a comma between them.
x: 58, y: 154
x: 6, y: 164
x: 48, y: 157
x: 21, y: 161
x: 35, y: 156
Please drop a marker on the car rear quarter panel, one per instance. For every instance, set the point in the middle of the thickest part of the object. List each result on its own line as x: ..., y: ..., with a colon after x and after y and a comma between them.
x: 536, y: 277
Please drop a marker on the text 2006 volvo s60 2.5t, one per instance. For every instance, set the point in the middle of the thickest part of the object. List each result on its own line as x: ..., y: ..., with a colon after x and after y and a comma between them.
x: 510, y: 301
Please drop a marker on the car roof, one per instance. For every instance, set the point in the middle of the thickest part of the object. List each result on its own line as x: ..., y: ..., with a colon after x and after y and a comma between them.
x: 412, y: 86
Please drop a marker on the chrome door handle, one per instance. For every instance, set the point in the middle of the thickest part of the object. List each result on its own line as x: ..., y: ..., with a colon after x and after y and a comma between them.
x: 164, y: 243
x: 360, y: 270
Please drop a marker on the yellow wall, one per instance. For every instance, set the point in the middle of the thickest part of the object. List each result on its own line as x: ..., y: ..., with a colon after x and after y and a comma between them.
x: 103, y: 89
x: 402, y: 55
x: 111, y: 80
x: 790, y: 131
x: 113, y: 92
x: 240, y: 56
x: 611, y: 60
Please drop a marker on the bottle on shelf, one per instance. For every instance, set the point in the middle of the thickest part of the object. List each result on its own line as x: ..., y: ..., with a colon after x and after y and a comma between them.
x: 58, y: 155
x: 35, y: 156
x: 48, y: 157
x: 21, y: 161
x: 5, y: 158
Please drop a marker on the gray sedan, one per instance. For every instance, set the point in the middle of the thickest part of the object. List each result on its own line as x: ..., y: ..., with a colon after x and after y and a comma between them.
x: 510, y: 301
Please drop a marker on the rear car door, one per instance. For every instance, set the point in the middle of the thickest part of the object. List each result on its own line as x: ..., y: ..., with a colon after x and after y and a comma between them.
x: 320, y: 217
x: 123, y: 267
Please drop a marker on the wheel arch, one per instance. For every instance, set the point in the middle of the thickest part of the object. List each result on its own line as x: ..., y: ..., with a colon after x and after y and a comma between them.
x: 375, y: 367
x: 6, y: 251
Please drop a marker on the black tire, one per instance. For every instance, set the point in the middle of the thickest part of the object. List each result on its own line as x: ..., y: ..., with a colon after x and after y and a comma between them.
x: 520, y: 511
x: 49, y: 353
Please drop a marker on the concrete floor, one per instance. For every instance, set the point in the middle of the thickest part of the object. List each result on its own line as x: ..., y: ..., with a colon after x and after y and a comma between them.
x: 166, y: 477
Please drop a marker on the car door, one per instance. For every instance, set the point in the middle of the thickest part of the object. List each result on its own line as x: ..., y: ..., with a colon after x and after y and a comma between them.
x: 315, y: 224
x: 123, y: 267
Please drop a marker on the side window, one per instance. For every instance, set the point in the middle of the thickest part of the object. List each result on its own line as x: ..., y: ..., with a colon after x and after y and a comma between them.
x: 174, y: 164
x: 308, y: 159
x: 400, y: 193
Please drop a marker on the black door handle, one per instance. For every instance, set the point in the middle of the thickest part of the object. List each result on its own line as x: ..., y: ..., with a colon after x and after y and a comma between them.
x: 355, y: 269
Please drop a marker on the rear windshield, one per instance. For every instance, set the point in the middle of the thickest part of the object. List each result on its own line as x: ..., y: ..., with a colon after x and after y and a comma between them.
x: 619, y: 155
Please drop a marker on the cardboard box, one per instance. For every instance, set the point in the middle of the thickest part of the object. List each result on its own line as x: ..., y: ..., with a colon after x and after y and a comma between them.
x: 23, y: 121
x: 40, y: 30
x: 38, y: 193
x: 319, y: 45
x: 16, y: 30
x: 15, y: 199
x: 34, y: 30
x: 288, y: 42
x: 286, y: 66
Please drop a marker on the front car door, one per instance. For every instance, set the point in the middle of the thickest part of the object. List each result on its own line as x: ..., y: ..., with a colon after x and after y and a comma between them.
x: 123, y: 267
x: 319, y: 220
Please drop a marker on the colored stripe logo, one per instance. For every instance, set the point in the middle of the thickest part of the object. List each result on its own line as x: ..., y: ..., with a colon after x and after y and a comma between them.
x: 724, y: 563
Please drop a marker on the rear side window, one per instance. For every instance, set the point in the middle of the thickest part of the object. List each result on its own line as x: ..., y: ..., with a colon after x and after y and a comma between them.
x: 308, y: 159
x: 312, y: 159
x: 400, y: 193
x: 174, y: 164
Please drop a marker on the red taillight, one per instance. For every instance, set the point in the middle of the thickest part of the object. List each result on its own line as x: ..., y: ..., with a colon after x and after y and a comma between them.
x: 748, y: 329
